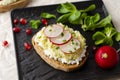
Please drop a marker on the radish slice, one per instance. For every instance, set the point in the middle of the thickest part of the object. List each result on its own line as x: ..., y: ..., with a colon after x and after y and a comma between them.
x: 71, y: 46
x: 62, y: 38
x: 53, y: 31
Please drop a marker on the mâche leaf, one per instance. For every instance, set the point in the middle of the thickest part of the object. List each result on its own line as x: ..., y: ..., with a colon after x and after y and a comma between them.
x: 63, y: 18
x: 74, y: 16
x: 47, y: 15
x: 117, y: 36
x: 35, y: 24
x: 90, y: 8
x: 104, y: 37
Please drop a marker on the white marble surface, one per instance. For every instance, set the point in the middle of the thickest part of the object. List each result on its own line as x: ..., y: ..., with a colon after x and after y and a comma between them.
x: 8, y: 69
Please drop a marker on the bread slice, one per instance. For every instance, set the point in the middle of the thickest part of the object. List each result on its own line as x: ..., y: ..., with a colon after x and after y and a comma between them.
x: 54, y: 63
x: 17, y: 4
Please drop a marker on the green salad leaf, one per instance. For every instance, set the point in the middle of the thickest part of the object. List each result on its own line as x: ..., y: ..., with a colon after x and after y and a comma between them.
x: 63, y: 18
x: 47, y: 15
x: 66, y: 8
x: 104, y: 21
x: 90, y: 8
x: 104, y: 37
x: 92, y: 22
x: 74, y: 16
x: 117, y: 36
x: 89, y: 22
x: 35, y: 24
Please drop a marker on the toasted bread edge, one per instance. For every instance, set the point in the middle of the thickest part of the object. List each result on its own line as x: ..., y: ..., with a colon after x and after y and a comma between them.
x: 57, y: 64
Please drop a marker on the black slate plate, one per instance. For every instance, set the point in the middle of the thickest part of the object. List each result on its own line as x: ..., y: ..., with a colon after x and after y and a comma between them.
x: 32, y: 67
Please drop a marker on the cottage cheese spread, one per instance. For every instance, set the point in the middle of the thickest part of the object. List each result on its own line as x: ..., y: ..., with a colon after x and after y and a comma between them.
x: 51, y: 49
x: 6, y: 2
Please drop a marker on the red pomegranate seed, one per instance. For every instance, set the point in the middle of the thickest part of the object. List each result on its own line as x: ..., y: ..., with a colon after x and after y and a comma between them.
x: 29, y: 31
x: 44, y: 21
x: 16, y: 29
x: 23, y: 21
x: 15, y: 21
x: 27, y: 46
x: 5, y: 43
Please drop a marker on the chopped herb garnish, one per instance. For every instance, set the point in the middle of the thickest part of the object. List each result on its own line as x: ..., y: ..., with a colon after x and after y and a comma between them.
x: 64, y: 40
x: 70, y: 51
x: 39, y: 37
x: 75, y: 48
x: 73, y: 32
x: 76, y: 44
x: 50, y: 30
x: 57, y: 48
x: 62, y: 34
x: 73, y: 43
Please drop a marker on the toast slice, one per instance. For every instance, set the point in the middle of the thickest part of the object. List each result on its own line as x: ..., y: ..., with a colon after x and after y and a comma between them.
x: 14, y: 5
x: 54, y: 63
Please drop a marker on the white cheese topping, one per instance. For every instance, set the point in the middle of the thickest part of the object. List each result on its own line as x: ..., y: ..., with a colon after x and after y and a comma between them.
x: 6, y: 2
x: 63, y: 60
x: 56, y: 53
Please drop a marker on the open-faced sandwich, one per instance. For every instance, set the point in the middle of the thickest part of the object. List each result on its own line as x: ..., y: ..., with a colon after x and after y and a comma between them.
x: 61, y: 47
x: 6, y: 5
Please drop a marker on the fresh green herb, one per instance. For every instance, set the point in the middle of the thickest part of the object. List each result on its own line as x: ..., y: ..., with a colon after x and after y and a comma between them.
x: 57, y: 48
x: 75, y: 48
x: 50, y: 30
x: 70, y: 51
x: 90, y: 22
x: 104, y: 22
x: 35, y: 24
x: 105, y: 37
x: 47, y: 15
x: 117, y: 36
x: 39, y: 37
x: 90, y: 8
x: 64, y: 40
x: 62, y: 34
x: 69, y: 11
x: 66, y: 8
x: 63, y: 18
x: 72, y: 14
x: 76, y: 44
x: 73, y: 43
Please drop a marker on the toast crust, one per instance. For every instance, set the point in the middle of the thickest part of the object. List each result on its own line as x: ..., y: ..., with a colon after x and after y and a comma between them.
x: 17, y: 4
x: 54, y: 63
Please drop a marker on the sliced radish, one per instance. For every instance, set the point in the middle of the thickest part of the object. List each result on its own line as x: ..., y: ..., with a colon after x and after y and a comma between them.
x: 53, y: 31
x: 63, y: 38
x: 71, y: 46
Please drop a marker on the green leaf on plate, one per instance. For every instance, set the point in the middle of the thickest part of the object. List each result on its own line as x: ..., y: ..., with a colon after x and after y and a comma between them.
x: 47, y: 15
x: 35, y: 24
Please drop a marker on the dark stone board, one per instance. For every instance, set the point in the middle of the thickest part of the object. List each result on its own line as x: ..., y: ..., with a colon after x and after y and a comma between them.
x: 32, y: 67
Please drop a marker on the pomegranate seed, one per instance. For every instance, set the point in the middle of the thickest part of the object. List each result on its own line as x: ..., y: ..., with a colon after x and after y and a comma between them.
x: 29, y: 31
x: 23, y: 21
x: 44, y: 21
x: 5, y: 43
x: 16, y: 29
x: 27, y: 46
x: 15, y: 21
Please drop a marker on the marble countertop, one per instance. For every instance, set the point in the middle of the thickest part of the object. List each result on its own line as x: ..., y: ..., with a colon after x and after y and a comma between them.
x: 8, y: 68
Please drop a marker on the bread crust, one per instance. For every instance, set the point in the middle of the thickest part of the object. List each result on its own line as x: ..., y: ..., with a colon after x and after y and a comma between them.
x: 17, y: 4
x: 54, y: 63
